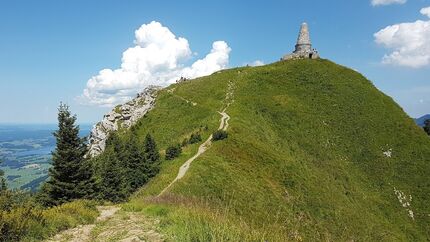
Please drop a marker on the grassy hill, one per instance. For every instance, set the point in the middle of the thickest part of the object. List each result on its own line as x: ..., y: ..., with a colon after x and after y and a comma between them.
x: 315, y: 152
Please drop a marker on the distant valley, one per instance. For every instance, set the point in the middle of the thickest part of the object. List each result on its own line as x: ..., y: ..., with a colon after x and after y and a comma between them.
x: 25, y: 152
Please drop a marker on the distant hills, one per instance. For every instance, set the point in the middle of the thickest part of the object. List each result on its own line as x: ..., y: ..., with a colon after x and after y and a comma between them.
x: 420, y: 121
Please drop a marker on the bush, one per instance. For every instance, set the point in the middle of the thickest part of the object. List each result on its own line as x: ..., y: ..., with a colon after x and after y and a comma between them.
x: 219, y: 135
x: 173, y: 151
x: 31, y: 222
x: 195, y: 138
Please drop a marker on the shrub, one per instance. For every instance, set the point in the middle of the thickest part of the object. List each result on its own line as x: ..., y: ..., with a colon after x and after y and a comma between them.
x: 195, y: 138
x: 30, y: 222
x: 219, y: 135
x: 173, y: 151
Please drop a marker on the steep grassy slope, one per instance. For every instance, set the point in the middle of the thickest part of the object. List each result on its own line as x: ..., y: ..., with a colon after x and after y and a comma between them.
x: 304, y: 158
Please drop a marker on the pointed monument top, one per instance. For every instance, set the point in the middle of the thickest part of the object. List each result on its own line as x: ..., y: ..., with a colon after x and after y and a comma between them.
x: 303, y: 46
x: 304, y: 38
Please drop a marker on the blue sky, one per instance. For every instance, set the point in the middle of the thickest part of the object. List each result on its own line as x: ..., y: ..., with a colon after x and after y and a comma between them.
x: 50, y: 49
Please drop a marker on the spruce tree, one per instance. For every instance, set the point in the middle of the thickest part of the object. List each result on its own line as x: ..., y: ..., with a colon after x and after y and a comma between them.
x: 111, y: 184
x: 136, y: 164
x: 151, y: 151
x: 70, y: 174
x: 152, y: 156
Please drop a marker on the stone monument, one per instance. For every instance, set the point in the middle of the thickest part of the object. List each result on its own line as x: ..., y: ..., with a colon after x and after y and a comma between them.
x: 303, y: 47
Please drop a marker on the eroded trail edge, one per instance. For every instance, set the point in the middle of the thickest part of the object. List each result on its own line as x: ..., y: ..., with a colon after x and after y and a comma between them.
x: 83, y: 232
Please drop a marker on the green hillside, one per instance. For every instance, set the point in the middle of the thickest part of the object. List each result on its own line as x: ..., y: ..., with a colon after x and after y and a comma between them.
x: 314, y: 152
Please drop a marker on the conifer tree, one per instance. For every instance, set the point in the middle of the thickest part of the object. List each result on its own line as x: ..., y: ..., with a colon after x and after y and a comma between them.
x: 151, y: 151
x: 111, y: 185
x: 70, y: 174
x: 136, y: 164
x: 152, y: 156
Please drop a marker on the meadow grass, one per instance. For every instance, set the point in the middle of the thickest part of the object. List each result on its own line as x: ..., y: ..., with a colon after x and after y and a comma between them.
x: 32, y: 223
x: 304, y: 158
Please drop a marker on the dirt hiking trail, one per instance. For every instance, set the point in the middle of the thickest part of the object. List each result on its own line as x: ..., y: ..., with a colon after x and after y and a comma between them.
x: 203, y: 147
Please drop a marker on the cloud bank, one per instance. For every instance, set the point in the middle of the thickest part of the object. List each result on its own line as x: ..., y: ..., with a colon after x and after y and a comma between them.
x: 409, y: 42
x: 387, y: 2
x: 158, y: 58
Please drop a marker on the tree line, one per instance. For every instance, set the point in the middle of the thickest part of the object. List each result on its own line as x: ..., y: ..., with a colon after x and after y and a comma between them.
x: 76, y: 182
x: 126, y: 164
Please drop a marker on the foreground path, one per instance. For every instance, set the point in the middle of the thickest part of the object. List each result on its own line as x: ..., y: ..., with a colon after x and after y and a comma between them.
x: 83, y: 232
x: 203, y: 147
x: 114, y: 225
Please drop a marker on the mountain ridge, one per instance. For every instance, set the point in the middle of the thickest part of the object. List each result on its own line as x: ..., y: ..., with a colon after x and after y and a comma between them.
x: 309, y: 156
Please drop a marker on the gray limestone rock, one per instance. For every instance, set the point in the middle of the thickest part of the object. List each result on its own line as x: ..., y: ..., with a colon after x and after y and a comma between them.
x: 123, y: 116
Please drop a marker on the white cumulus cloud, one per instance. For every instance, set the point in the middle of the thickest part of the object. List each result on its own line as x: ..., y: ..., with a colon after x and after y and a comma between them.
x: 158, y: 58
x: 257, y: 63
x: 387, y: 2
x: 409, y: 43
x: 425, y: 11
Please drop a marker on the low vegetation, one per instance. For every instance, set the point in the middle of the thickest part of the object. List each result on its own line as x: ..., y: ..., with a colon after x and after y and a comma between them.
x: 195, y: 138
x: 23, y: 219
x: 219, y: 135
x: 173, y: 151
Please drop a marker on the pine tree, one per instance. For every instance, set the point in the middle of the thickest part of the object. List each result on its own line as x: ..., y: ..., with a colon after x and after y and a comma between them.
x: 111, y: 185
x: 151, y: 151
x: 427, y: 126
x: 134, y: 164
x: 152, y: 156
x: 70, y: 174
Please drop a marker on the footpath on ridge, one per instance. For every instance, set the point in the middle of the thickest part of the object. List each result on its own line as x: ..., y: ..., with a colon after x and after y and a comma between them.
x: 206, y: 145
x: 116, y: 225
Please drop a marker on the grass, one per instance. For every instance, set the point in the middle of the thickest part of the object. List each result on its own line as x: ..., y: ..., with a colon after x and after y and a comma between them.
x: 182, y: 219
x: 303, y: 160
x: 30, y: 223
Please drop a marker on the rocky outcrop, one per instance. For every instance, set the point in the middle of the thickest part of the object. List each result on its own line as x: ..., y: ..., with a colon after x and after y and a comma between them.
x: 122, y: 116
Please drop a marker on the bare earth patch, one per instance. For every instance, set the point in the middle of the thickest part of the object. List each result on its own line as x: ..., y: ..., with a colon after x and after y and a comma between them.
x: 112, y: 225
